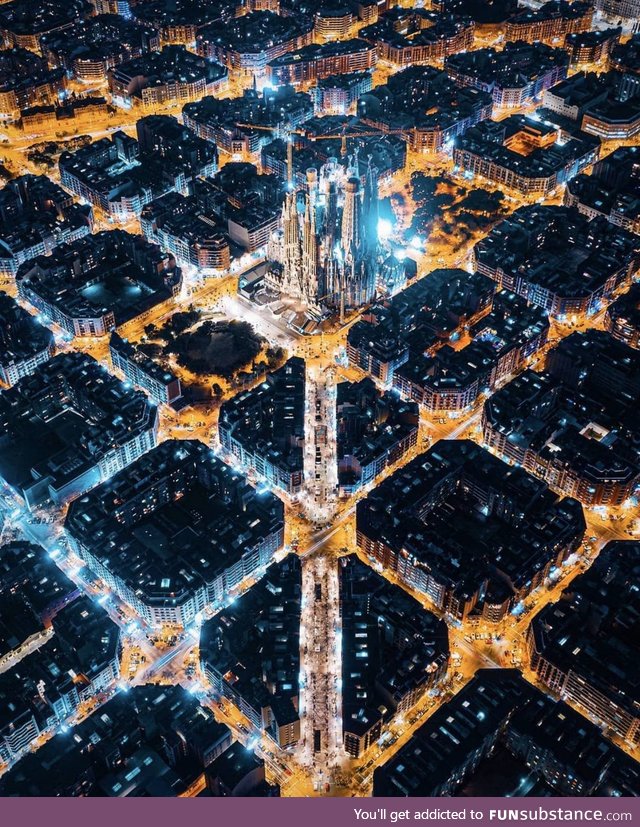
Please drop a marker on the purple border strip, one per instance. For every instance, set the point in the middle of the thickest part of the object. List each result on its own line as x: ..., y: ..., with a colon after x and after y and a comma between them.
x: 270, y: 812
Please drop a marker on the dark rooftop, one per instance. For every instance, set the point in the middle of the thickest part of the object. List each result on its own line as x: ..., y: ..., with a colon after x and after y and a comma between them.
x: 149, y: 741
x: 251, y: 649
x: 109, y: 273
x: 393, y: 650
x: 21, y: 336
x: 556, y: 257
x: 561, y: 749
x: 167, y: 551
x: 441, y: 514
x: 62, y: 426
x: 593, y: 631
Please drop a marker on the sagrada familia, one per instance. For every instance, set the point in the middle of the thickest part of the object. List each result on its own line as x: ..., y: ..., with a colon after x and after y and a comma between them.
x: 327, y: 252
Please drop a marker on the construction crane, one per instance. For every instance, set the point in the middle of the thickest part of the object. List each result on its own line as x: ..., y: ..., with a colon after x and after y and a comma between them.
x: 286, y: 132
x: 343, y: 136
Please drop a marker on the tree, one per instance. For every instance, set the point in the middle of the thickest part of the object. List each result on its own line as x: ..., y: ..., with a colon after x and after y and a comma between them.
x: 183, y: 320
x: 274, y: 356
x: 426, y: 214
x: 216, y: 347
x: 423, y: 186
x: 261, y: 366
x: 485, y: 202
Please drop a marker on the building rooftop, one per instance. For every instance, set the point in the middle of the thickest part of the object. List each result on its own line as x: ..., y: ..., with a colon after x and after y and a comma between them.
x: 239, y: 185
x: 626, y: 56
x: 21, y: 69
x: 350, y: 81
x: 555, y: 251
x: 36, y: 215
x: 269, y: 420
x: 317, y: 51
x: 613, y: 188
x: 33, y: 590
x: 111, y: 272
x: 62, y: 421
x: 254, y: 644
x: 526, y: 146
x: 122, y: 174
x: 405, y: 27
x: 144, y: 362
x: 173, y: 65
x: 238, y: 772
x: 441, y: 511
x: 449, y: 369
x: 553, y: 10
x: 580, y: 90
x: 618, y: 109
x: 107, y: 37
x: 511, y: 324
x: 423, y: 316
x: 392, y: 648
x: 226, y: 119
x: 253, y: 33
x: 369, y: 424
x: 590, y: 39
x: 21, y: 336
x: 152, y: 525
x: 610, y: 98
x: 421, y: 97
x: 176, y: 13
x: 84, y: 644
x: 188, y: 224
x: 514, y: 67
x: 598, y: 363
x: 590, y: 434
x: 162, y: 738
x: 479, y: 10
x: 432, y: 759
x: 21, y: 18
x: 624, y: 315
x: 593, y: 631
x: 562, y: 750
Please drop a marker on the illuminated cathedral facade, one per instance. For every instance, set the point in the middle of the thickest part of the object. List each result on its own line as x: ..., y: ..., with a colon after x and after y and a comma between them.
x: 327, y: 252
